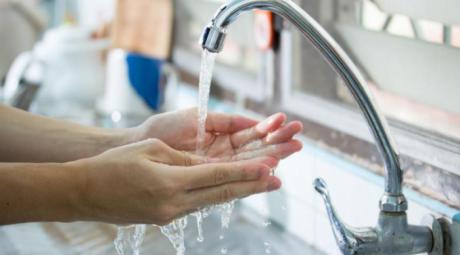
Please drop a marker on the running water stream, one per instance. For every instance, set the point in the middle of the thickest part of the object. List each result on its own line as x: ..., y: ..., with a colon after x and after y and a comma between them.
x: 207, y: 67
x: 129, y: 238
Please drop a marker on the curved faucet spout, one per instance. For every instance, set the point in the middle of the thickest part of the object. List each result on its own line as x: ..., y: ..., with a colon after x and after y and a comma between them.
x: 214, y: 35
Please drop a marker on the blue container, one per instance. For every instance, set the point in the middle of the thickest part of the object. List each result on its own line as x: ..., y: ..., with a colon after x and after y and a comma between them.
x: 145, y: 75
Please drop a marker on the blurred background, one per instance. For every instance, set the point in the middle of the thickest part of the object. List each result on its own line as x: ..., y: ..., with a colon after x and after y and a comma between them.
x: 113, y: 63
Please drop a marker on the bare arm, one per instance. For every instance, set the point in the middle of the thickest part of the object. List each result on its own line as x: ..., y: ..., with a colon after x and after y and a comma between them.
x: 25, y: 137
x: 143, y: 182
x: 38, y: 192
x: 31, y: 138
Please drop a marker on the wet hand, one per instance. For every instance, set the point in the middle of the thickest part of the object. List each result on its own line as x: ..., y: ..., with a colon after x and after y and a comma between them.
x: 228, y: 137
x: 149, y: 182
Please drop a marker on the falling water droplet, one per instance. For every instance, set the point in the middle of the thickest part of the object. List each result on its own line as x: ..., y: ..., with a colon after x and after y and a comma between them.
x: 226, y: 210
x: 174, y: 231
x: 223, y: 250
x: 268, y: 247
x: 267, y: 223
x: 199, y: 225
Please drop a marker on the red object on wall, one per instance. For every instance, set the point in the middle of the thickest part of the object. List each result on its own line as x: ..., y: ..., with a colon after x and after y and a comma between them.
x: 264, y: 29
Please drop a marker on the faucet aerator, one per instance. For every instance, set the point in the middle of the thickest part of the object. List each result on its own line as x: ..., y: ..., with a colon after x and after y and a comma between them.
x: 212, y: 39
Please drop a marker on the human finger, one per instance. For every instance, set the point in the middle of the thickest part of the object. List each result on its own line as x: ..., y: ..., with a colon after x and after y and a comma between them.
x: 284, y: 133
x: 258, y: 131
x: 279, y: 151
x: 227, y: 123
x: 230, y: 191
x: 214, y: 174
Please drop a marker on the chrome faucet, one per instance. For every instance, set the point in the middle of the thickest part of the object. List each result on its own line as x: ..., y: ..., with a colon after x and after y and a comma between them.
x: 392, y: 235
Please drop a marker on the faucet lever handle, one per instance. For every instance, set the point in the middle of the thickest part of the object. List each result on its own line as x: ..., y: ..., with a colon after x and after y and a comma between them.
x: 346, y: 239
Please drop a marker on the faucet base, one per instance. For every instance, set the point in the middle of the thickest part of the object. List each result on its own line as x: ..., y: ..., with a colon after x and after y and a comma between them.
x: 397, y: 237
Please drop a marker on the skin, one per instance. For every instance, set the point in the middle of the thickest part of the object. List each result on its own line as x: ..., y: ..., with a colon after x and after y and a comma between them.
x: 156, y: 189
x: 63, y: 141
x: 146, y: 174
x: 32, y: 138
x: 228, y: 137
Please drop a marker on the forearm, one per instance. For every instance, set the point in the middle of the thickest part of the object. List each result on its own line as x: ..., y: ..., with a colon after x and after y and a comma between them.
x: 31, y: 138
x: 40, y: 192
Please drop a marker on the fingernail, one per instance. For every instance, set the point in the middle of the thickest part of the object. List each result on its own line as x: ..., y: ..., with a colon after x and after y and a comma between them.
x: 273, y: 184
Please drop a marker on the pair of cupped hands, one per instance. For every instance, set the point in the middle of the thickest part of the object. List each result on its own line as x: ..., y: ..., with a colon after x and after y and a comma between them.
x: 159, y: 177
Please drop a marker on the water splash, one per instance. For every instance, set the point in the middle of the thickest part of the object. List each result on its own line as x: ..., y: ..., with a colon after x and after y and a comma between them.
x: 129, y: 239
x: 174, y: 231
x: 226, y: 210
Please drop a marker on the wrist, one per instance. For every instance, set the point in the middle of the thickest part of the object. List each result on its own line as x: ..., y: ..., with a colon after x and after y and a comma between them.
x: 153, y: 127
x: 79, y: 199
x: 111, y: 138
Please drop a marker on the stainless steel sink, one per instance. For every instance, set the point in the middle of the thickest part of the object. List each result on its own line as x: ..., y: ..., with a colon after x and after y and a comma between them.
x: 244, y: 237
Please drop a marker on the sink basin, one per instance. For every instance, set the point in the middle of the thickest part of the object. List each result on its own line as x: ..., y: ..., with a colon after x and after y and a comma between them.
x: 244, y: 237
